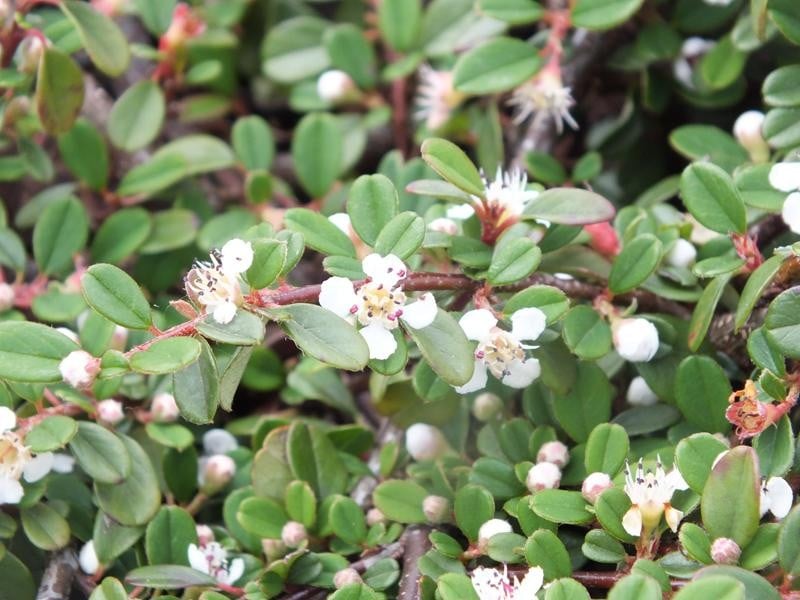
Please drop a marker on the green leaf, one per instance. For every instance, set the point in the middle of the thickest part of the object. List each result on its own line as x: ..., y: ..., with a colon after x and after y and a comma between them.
x: 45, y: 528
x: 100, y: 453
x: 104, y: 42
x: 347, y: 520
x: 695, y: 543
x: 301, y: 504
x: 755, y: 585
x: 762, y: 550
x: 121, y: 235
x: 401, y: 500
x: 168, y: 577
x: 704, y: 310
x: 515, y: 12
x: 781, y: 128
x: 253, y: 142
x: 453, y: 165
x: 196, y: 385
x: 775, y: 447
x: 109, y: 589
x: 318, y: 232
x: 789, y: 543
x: 495, y: 66
x: 694, y: 456
x: 637, y: 261
x: 721, y: 66
x: 84, y: 152
x: 566, y: 589
x: 12, y: 250
x: 293, y: 50
x: 372, y: 204
x: 168, y: 536
x: 701, y: 393
x: 603, y: 14
x: 473, y: 506
x: 51, y: 433
x: 545, y: 550
x: 551, y: 301
x: 513, y: 261
x: 59, y: 91
x: 606, y: 449
x: 317, y: 147
x: 137, y: 116
x: 31, y: 352
x: 60, y: 232
x: 171, y: 435
x: 166, y: 355
x: 137, y: 499
x: 350, y: 52
x: 446, y: 349
x: 601, y: 547
x: 262, y: 517
x: 783, y: 322
x: 780, y: 87
x: 757, y: 283
x: 561, y: 506
x: 588, y: 403
x: 712, y: 198
x: 115, y: 295
x: 636, y: 587
x: 570, y: 206
x: 586, y: 333
x: 313, y: 458
x: 610, y: 507
x: 246, y: 329
x: 399, y: 23
x: 111, y: 539
x: 719, y: 587
x: 402, y: 236
x: 734, y: 476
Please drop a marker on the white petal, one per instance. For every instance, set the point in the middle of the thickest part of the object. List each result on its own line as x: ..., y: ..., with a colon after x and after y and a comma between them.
x: 528, y: 323
x: 11, y: 491
x: 676, y: 481
x: 632, y: 521
x: 522, y: 374
x: 531, y: 583
x: 235, y: 571
x: 197, y: 559
x: 63, y: 463
x: 779, y: 494
x: 236, y: 256
x: 8, y: 419
x: 460, y: 211
x: 380, y: 341
x: 421, y: 313
x: 38, y: 467
x: 791, y: 211
x: 785, y: 176
x: 477, y: 324
x: 673, y: 517
x: 224, y: 312
x: 342, y: 222
x: 386, y: 270
x: 87, y: 558
x: 477, y: 381
x: 337, y: 295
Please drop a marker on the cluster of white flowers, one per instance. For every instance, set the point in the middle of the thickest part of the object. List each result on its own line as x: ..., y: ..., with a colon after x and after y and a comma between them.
x: 491, y: 584
x: 215, y: 285
x: 436, y: 97
x: 544, y: 97
x: 650, y: 494
x: 785, y: 176
x: 379, y: 304
x: 503, y: 200
x: 502, y: 352
x: 635, y: 339
x: 212, y: 559
x: 546, y: 473
x: 17, y: 461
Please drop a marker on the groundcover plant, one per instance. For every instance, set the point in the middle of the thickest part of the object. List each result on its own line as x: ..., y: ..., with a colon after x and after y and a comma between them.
x: 399, y: 299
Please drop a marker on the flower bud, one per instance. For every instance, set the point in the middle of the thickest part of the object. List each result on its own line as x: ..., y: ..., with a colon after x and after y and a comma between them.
x: 79, y: 368
x: 335, y: 86
x: 87, y: 558
x: 553, y: 452
x: 164, y: 409
x: 724, y: 551
x: 205, y: 535
x: 30, y: 53
x: 444, y: 225
x: 425, y: 442
x: 490, y: 529
x: 436, y: 509
x: 345, y: 577
x: 594, y: 485
x: 119, y: 338
x: 6, y: 296
x: 603, y: 238
x: 682, y: 254
x: 635, y: 339
x: 217, y: 472
x: 640, y: 394
x: 273, y: 549
x: 110, y: 411
x: 375, y: 516
x: 219, y: 441
x: 543, y: 476
x: 294, y: 534
x: 486, y: 406
x: 748, y: 130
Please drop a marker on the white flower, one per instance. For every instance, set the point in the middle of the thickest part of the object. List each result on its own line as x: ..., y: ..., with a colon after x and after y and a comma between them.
x: 785, y: 176
x: 17, y: 461
x: 378, y: 304
x: 212, y: 559
x: 650, y: 494
x: 218, y: 441
x: 640, y: 394
x: 748, y: 130
x: 543, y: 476
x: 635, y: 339
x: 502, y: 352
x: 554, y: 452
x: 342, y: 222
x: 491, y: 584
x: 682, y: 254
x: 776, y: 497
x: 594, y: 485
x: 217, y: 289
x: 460, y: 212
x: 110, y: 411
x: 79, y: 368
x: 87, y: 558
x: 436, y: 97
x: 444, y: 225
x: 425, y: 442
x: 335, y: 86
x: 546, y: 97
x: 6, y: 296
x: 63, y: 463
x: 164, y: 409
x: 491, y: 528
x: 236, y: 256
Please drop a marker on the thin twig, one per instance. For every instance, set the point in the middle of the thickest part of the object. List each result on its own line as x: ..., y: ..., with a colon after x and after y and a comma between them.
x: 416, y: 544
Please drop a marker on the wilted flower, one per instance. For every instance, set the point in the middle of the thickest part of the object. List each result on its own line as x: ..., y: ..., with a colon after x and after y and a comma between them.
x: 491, y: 584
x: 750, y: 415
x: 502, y: 352
x: 212, y: 559
x: 436, y: 97
x: 545, y: 97
x: 215, y: 285
x: 650, y: 494
x: 17, y: 461
x: 378, y: 304
x: 543, y: 476
x: 79, y: 368
x: 776, y: 497
x: 640, y: 394
x: 635, y: 339
x: 30, y: 53
x: 425, y: 442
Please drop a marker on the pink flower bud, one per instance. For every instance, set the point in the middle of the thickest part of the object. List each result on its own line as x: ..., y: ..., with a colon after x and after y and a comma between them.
x: 724, y: 551
x: 217, y: 472
x: 164, y: 409
x: 603, y: 238
x: 294, y: 534
x: 375, y: 516
x: 553, y: 452
x: 748, y: 130
x: 436, y: 509
x: 205, y: 535
x: 444, y: 225
x: 543, y: 476
x: 594, y: 485
x: 119, y: 338
x: 346, y: 577
x: 110, y: 411
x: 79, y: 368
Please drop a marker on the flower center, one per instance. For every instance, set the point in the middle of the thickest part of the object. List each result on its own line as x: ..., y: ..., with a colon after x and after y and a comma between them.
x: 211, y: 285
x: 14, y: 455
x: 499, y: 352
x: 381, y: 304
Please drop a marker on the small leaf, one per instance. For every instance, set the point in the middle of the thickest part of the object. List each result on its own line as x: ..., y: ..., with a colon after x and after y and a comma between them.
x: 606, y: 449
x: 59, y: 91
x: 454, y: 166
x: 513, y: 261
x: 50, y: 434
x: 317, y: 146
x: 701, y: 393
x: 318, y: 232
x: 495, y: 66
x: 400, y: 500
x: 545, y: 550
x: 166, y: 355
x: 60, y: 232
x: 603, y: 14
x: 473, y: 506
x: 100, y: 453
x: 586, y: 333
x: 137, y: 116
x: 45, y: 528
x: 704, y: 310
x: 570, y: 206
x: 757, y: 283
x: 115, y: 295
x: 104, y: 42
x: 561, y: 506
x: 168, y: 536
x: 637, y: 261
x: 711, y: 196
x: 402, y: 236
x: 168, y: 577
x: 253, y: 142
x: 31, y: 352
x: 783, y: 322
x: 446, y: 349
